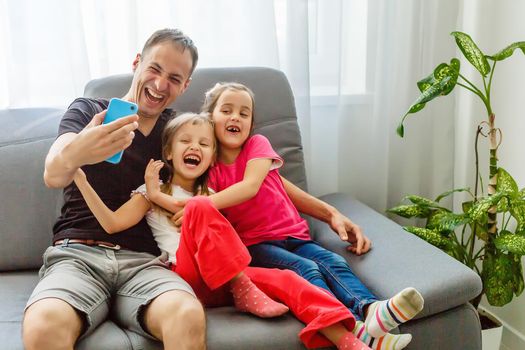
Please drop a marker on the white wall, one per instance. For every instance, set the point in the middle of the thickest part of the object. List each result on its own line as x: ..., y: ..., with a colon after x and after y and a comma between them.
x: 508, y: 105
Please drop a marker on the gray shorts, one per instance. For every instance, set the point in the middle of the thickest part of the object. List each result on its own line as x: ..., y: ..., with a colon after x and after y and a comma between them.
x: 101, y: 282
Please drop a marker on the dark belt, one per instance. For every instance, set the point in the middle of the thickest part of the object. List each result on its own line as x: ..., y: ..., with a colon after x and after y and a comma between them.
x: 88, y: 242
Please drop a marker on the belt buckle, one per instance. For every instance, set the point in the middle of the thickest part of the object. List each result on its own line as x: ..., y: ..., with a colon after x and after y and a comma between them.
x: 114, y: 247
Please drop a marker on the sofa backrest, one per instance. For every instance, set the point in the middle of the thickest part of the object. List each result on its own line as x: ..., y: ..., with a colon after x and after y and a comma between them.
x: 275, y: 115
x: 27, y: 208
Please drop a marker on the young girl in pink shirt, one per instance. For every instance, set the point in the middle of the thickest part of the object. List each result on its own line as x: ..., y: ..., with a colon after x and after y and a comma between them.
x: 254, y: 198
x: 207, y: 253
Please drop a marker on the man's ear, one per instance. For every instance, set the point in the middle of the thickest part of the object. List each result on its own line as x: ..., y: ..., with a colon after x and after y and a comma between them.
x: 136, y: 62
x: 186, y: 84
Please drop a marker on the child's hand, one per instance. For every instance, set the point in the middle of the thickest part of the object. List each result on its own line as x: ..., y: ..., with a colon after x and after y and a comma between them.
x: 351, y: 233
x: 151, y: 176
x: 80, y: 176
x: 177, y: 218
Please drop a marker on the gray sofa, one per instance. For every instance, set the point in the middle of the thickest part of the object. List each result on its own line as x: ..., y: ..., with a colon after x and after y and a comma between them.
x: 28, y: 210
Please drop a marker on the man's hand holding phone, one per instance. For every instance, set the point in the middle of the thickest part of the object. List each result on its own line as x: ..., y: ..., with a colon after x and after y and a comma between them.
x: 102, y: 139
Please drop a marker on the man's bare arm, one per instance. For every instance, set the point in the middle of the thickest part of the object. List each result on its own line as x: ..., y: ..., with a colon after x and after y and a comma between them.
x: 93, y: 144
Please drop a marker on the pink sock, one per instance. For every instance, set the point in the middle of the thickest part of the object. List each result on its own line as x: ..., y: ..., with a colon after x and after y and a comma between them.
x: 350, y: 342
x: 248, y: 298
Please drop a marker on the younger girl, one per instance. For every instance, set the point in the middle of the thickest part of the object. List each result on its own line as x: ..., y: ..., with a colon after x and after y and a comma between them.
x: 254, y: 200
x: 208, y: 253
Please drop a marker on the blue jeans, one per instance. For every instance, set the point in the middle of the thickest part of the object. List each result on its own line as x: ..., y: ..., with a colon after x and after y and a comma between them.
x: 319, y: 266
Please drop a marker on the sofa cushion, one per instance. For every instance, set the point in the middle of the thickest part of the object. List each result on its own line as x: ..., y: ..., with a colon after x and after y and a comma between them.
x: 28, y: 208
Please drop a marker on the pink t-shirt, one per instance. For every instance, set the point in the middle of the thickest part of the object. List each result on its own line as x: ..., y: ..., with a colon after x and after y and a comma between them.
x: 270, y: 214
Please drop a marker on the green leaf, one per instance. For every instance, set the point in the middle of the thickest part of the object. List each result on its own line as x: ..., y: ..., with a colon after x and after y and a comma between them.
x: 445, y: 222
x: 479, y: 226
x: 480, y: 208
x: 433, y: 238
x: 400, y: 129
x: 511, y: 242
x: 448, y: 193
x: 429, y: 94
x: 518, y: 276
x: 517, y: 210
x: 441, y: 72
x: 410, y: 211
x: 451, y: 71
x: 506, y: 183
x: 472, y: 52
x: 420, y: 200
x: 498, y: 278
x: 508, y: 51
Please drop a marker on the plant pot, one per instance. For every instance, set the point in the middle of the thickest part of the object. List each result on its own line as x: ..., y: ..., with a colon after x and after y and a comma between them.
x: 491, y: 330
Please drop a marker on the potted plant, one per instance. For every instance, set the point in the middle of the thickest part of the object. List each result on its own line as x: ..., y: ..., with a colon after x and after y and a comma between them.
x: 488, y: 233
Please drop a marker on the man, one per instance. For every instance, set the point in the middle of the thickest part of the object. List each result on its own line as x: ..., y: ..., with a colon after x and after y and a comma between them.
x: 87, y: 273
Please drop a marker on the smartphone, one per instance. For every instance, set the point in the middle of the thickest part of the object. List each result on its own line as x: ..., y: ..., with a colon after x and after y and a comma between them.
x: 117, y: 109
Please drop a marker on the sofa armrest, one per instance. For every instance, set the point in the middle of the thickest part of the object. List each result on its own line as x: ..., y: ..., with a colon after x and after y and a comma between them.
x: 399, y: 259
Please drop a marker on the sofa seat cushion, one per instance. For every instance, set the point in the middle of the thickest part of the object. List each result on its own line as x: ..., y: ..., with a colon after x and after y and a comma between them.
x: 227, y: 328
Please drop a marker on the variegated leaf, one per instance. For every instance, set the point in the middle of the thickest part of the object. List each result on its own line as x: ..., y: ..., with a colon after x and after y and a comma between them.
x: 498, y: 279
x: 420, y: 200
x: 472, y: 52
x: 508, y: 51
x: 511, y: 242
x: 517, y: 210
x: 445, y: 222
x: 481, y: 206
x: 448, y: 193
x: 479, y: 226
x: 432, y: 237
x: 410, y: 211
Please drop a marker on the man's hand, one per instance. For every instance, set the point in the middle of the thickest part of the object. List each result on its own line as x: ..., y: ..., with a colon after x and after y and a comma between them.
x: 351, y: 233
x: 97, y: 141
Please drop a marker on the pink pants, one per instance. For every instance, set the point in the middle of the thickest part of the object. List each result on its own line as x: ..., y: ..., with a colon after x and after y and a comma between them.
x: 210, y: 254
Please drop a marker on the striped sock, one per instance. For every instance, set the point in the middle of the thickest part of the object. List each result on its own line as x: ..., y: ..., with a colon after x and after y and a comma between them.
x: 388, y: 314
x: 387, y: 342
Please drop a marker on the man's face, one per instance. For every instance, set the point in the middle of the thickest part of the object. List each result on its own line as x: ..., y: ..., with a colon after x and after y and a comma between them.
x: 160, y: 76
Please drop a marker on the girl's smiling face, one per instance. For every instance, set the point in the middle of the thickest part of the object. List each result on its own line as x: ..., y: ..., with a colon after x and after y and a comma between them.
x: 192, y: 152
x: 233, y: 117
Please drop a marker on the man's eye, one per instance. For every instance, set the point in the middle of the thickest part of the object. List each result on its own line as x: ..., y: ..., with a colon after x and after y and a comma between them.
x: 155, y: 69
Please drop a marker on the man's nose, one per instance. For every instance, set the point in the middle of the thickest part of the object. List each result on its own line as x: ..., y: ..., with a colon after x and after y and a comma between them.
x: 161, y: 83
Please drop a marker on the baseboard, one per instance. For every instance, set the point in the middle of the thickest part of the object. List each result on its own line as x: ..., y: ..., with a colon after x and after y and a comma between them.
x: 512, y: 339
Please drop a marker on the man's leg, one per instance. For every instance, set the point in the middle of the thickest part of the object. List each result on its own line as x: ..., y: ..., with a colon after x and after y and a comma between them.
x: 51, y: 324
x: 178, y: 320
x: 70, y: 300
x: 155, y: 302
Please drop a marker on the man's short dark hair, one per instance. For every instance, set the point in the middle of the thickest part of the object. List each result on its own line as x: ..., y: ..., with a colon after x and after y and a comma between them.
x: 176, y: 37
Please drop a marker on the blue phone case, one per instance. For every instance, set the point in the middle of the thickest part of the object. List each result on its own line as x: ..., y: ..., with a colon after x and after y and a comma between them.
x: 117, y: 109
